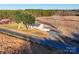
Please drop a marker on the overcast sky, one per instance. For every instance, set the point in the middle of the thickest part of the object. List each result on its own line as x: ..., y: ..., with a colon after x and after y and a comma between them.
x: 39, y: 6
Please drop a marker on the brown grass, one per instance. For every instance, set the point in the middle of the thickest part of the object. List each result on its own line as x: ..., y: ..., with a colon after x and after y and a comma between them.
x: 29, y: 31
x: 65, y: 24
x: 12, y: 45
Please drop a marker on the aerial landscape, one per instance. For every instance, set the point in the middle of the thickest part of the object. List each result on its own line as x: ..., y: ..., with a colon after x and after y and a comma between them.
x: 39, y: 29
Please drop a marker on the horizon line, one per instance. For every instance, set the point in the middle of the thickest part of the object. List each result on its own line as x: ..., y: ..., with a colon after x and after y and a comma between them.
x: 39, y: 6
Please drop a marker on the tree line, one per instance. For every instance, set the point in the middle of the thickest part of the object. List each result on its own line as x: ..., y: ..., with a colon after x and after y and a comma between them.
x: 27, y: 16
x: 50, y: 12
x: 18, y: 16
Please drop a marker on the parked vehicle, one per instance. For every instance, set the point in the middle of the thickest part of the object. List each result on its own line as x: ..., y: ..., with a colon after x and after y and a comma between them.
x: 5, y: 21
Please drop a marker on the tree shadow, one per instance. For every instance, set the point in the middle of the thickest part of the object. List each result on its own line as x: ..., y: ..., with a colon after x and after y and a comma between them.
x: 49, y: 46
x: 75, y: 38
x: 72, y: 41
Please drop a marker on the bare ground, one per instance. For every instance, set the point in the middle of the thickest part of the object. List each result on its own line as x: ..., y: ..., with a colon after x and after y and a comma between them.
x: 12, y: 45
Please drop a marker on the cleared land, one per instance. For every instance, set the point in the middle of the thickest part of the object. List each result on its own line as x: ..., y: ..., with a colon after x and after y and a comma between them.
x: 66, y: 28
x: 64, y: 24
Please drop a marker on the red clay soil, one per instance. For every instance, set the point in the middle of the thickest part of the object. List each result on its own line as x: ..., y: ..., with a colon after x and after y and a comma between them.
x: 12, y: 45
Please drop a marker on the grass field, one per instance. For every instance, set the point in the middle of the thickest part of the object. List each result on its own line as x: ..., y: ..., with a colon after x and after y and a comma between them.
x: 65, y: 24
x: 34, y: 32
